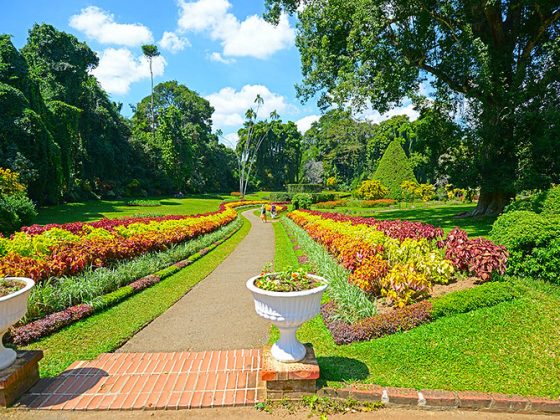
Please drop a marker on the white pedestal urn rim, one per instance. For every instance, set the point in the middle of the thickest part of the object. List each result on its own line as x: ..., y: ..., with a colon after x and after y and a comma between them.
x: 288, y: 311
x: 12, y: 308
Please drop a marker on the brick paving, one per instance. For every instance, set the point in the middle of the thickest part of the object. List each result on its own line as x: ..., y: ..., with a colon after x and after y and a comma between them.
x: 153, y: 381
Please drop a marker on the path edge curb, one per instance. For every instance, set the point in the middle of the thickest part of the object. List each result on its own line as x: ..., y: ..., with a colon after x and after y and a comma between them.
x: 433, y: 399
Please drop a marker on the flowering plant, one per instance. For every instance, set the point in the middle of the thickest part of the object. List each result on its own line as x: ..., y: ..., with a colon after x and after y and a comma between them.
x: 285, y: 281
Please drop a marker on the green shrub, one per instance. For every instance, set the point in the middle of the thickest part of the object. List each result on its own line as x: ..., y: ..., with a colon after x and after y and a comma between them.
x: 551, y: 204
x: 280, y: 196
x: 483, y: 296
x: 322, y: 196
x: 371, y: 189
x: 304, y: 188
x: 16, y: 210
x: 524, y: 230
x: 533, y: 243
x: 302, y: 201
x: 394, y: 168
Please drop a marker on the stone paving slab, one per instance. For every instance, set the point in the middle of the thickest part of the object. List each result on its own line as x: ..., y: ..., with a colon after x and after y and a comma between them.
x: 152, y: 381
x: 218, y: 313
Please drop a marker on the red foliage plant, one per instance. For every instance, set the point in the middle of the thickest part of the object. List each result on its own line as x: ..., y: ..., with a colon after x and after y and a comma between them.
x: 480, y: 257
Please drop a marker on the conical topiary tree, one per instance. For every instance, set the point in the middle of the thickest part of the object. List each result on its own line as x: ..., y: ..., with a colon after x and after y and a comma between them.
x: 394, y: 168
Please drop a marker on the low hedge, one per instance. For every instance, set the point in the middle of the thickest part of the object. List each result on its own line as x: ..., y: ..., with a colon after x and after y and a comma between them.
x: 411, y: 316
x: 304, y: 188
x: 483, y: 296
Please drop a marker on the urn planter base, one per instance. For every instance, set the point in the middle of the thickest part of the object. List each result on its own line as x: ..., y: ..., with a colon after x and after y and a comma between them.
x: 289, y: 381
x: 288, y: 349
x: 19, y: 376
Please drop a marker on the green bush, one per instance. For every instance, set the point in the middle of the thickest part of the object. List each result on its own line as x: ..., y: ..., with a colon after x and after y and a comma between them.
x: 302, y: 201
x: 371, y: 189
x: 304, y: 188
x: 524, y: 230
x: 483, y: 296
x: 532, y: 241
x: 280, y: 196
x: 16, y: 210
x: 394, y: 168
x: 551, y: 204
x: 322, y: 196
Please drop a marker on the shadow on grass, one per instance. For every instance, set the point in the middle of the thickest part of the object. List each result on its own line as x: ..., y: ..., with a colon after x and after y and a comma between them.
x: 341, y: 369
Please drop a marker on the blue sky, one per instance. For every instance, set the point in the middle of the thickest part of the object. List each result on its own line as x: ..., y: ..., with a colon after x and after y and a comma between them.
x: 222, y: 49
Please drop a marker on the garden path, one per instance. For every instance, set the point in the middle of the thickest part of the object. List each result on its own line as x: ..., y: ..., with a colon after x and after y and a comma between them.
x: 218, y: 313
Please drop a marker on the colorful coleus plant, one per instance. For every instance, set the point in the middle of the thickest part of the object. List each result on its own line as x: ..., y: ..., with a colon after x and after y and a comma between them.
x: 68, y: 249
x: 400, y: 260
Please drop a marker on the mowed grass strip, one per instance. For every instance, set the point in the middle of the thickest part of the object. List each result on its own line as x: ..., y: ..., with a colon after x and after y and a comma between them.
x: 284, y: 255
x: 87, y: 211
x: 108, y: 330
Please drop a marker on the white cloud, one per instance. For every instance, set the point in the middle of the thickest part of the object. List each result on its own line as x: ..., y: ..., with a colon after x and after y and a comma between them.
x: 304, y: 124
x: 375, y: 117
x: 216, y: 56
x: 100, y: 25
x: 173, y: 43
x: 230, y: 105
x: 252, y: 37
x: 118, y: 69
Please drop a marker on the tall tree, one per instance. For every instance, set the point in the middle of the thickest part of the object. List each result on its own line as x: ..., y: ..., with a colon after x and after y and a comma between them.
x: 247, y: 150
x: 150, y: 52
x: 499, y: 56
x: 278, y: 157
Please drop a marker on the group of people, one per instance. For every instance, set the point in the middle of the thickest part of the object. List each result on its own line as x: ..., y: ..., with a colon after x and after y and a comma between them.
x: 272, y: 212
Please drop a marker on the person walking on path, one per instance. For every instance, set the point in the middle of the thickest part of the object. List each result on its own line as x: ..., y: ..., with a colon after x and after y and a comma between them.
x: 273, y: 211
x: 263, y: 213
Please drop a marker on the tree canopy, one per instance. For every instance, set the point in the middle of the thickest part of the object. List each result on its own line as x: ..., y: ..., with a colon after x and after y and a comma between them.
x: 499, y: 58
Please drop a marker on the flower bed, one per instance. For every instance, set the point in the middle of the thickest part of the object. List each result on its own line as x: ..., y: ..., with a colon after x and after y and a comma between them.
x: 40, y: 252
x: 26, y: 333
x: 400, y: 260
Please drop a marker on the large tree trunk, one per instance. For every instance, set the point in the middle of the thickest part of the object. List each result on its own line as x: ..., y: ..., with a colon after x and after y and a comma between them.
x: 491, y: 203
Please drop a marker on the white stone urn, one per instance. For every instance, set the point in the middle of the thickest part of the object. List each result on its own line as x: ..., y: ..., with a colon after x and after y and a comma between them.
x: 12, y: 308
x: 288, y: 311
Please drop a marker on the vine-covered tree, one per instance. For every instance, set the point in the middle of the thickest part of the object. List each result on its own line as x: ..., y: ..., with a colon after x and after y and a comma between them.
x: 500, y: 57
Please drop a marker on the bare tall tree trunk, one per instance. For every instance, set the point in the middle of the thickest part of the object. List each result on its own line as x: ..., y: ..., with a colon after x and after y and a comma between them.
x: 152, y: 100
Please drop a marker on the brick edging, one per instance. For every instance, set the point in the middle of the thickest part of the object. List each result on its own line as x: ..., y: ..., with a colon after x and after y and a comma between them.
x: 440, y: 399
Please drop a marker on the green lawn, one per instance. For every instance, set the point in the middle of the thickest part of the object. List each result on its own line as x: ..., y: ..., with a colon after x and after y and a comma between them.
x: 87, y: 211
x: 94, y: 210
x: 107, y: 330
x: 442, y: 215
x: 510, y: 348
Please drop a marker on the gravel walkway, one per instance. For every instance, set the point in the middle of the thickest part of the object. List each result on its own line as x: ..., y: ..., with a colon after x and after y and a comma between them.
x: 218, y: 313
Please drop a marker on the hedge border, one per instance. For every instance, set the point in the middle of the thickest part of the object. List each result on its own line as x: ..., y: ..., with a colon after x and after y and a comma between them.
x: 54, y: 322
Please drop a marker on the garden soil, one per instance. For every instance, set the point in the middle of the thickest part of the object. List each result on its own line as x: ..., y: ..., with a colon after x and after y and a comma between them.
x: 218, y: 313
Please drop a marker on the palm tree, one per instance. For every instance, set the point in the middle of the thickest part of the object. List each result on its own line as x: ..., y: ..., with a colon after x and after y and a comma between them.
x: 150, y: 51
